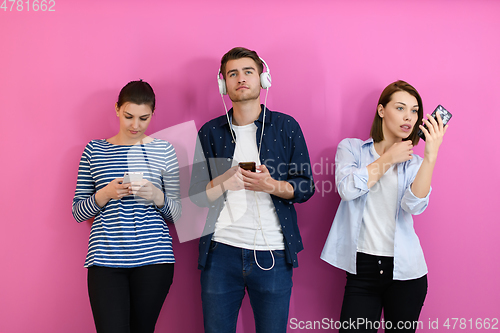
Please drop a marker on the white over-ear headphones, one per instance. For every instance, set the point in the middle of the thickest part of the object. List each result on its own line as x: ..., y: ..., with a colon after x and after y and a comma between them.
x: 265, y: 79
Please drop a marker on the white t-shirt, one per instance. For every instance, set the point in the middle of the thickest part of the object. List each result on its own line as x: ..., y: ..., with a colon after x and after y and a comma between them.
x: 379, y: 217
x: 238, y: 221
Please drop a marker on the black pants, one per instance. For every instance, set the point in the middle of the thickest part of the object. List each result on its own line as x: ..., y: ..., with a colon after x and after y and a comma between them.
x: 128, y: 300
x: 373, y: 289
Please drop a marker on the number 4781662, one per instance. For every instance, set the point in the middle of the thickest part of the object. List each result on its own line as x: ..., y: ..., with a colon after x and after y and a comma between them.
x: 34, y: 5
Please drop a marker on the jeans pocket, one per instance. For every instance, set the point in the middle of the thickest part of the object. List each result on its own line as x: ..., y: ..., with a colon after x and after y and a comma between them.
x: 213, y: 246
x: 279, y: 253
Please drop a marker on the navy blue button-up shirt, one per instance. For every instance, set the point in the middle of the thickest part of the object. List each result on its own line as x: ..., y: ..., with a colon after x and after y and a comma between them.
x: 283, y: 152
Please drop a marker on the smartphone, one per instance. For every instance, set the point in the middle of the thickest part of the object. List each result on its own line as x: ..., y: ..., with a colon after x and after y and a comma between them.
x: 129, y: 177
x: 250, y: 166
x: 445, y: 116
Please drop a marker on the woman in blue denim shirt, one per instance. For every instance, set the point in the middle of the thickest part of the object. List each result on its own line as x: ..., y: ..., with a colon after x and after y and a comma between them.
x: 382, y: 184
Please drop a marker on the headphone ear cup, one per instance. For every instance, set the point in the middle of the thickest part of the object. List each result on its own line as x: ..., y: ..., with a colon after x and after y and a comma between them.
x: 222, y: 86
x: 265, y: 80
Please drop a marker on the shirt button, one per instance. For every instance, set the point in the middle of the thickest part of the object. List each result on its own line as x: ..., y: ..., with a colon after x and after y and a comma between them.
x: 228, y: 159
x: 380, y: 262
x: 381, y: 272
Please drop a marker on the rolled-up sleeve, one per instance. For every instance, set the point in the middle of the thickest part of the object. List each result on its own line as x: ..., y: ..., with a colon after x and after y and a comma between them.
x: 299, y: 170
x: 413, y: 204
x: 200, y: 176
x: 351, y: 179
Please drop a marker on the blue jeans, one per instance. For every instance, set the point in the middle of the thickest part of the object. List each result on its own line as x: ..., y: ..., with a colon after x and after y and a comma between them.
x: 228, y: 272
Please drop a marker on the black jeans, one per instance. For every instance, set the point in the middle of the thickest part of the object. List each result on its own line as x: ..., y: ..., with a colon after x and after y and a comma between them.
x: 128, y: 300
x: 373, y: 289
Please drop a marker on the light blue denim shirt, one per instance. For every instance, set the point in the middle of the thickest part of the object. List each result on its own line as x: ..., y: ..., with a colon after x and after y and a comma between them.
x: 351, y: 178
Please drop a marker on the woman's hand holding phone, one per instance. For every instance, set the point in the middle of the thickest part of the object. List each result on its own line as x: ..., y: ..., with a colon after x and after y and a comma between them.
x: 433, y: 138
x: 115, y: 189
x: 145, y: 189
x: 434, y: 132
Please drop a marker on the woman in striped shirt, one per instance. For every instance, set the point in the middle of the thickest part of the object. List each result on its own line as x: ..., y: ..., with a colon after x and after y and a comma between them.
x: 130, y: 259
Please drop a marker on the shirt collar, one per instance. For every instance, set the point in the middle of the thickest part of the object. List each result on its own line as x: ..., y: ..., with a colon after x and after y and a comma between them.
x: 223, y: 120
x: 369, y: 141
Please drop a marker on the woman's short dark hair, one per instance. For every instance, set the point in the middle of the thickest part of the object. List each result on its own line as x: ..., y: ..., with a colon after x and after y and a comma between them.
x: 376, y: 132
x: 238, y: 53
x: 137, y: 92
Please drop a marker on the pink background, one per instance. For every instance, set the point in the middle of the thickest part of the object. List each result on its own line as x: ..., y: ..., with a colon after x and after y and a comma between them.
x: 60, y: 74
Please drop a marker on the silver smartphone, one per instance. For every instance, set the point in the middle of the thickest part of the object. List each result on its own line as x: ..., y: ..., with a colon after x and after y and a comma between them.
x: 129, y: 177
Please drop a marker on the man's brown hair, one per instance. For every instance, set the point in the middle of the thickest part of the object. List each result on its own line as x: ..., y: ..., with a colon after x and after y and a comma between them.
x: 238, y: 53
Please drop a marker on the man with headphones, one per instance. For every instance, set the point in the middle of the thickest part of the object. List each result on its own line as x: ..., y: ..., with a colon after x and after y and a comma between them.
x: 251, y: 237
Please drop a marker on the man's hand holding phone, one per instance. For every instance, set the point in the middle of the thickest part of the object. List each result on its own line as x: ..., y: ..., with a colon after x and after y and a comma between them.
x: 260, y: 181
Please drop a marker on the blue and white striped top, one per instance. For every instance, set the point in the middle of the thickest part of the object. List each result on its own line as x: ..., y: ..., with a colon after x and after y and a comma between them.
x: 130, y: 232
